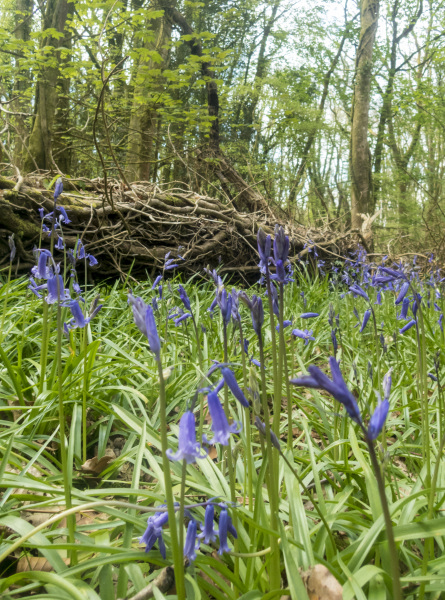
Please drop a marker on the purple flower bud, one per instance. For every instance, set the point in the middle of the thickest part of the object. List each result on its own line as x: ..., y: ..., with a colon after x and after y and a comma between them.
x: 408, y: 326
x: 432, y: 377
x: 152, y: 333
x: 336, y: 387
x: 257, y: 313
x: 387, y: 381
x: 378, y: 419
x: 58, y: 188
x: 223, y: 530
x: 230, y: 380
x: 92, y: 260
x: 358, y: 291
x: 334, y: 341
x: 285, y: 324
x: 403, y: 291
x: 309, y: 315
x: 280, y: 245
x: 184, y: 297
x: 41, y: 212
x: 262, y: 429
x: 264, y: 244
x: 156, y: 281
x: 182, y: 318
x: 12, y: 248
x: 365, y: 319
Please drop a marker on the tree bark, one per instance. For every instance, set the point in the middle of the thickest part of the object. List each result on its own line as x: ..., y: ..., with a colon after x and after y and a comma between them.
x: 360, y: 157
x: 23, y: 23
x: 41, y: 138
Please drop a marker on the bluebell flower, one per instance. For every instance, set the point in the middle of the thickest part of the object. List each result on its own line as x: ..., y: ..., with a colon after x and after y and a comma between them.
x: 58, y: 188
x: 220, y: 424
x: 378, y: 419
x: 257, y: 312
x: 365, y: 319
x: 189, y: 449
x: 280, y: 245
x: 156, y: 281
x: 42, y: 271
x: 190, y: 541
x: 160, y: 292
x: 275, y: 306
x: 336, y: 387
x: 403, y: 291
x: 208, y: 534
x: 280, y: 275
x: 185, y: 299
x: 56, y: 290
x: 407, y: 326
x: 264, y: 245
x: 224, y: 301
x: 387, y: 381
x: 309, y: 315
x: 416, y: 304
x: 432, y: 377
x: 262, y: 429
x: 286, y: 323
x: 334, y: 340
x: 393, y: 273
x: 405, y: 306
x: 231, y: 382
x: 35, y: 289
x: 358, y: 291
x: 304, y: 335
x: 78, y: 316
x: 145, y: 322
x: 64, y: 216
x: 225, y: 527
x: 59, y: 245
x: 235, y: 306
x: 182, y: 318
x: 379, y: 298
x: 154, y: 303
x: 42, y: 213
x: 92, y: 260
x: 153, y: 532
x: 12, y: 248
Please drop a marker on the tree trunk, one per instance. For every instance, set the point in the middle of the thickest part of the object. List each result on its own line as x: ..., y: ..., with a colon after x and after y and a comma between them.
x: 141, y: 153
x: 360, y: 158
x: 41, y: 138
x: 23, y: 23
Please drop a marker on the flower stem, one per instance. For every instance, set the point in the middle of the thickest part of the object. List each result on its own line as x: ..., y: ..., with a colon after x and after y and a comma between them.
x: 394, y: 566
x: 178, y: 561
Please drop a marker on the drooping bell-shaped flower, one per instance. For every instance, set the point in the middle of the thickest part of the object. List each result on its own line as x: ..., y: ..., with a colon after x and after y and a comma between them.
x: 257, y: 312
x: 220, y: 424
x: 309, y: 315
x: 208, y: 534
x: 41, y: 271
x: 153, y: 532
x: 358, y: 291
x: 224, y: 301
x: 264, y: 245
x: 365, y: 319
x: 403, y: 291
x: 190, y: 541
x: 408, y: 326
x: 378, y: 419
x: 280, y: 245
x: 336, y: 387
x: 58, y: 188
x: 189, y: 449
x: 56, y: 290
x: 185, y: 299
x: 231, y: 382
x: 225, y: 526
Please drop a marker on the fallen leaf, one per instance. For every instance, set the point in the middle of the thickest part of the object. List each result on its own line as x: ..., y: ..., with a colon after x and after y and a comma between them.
x: 95, y: 466
x: 36, y: 563
x: 321, y: 584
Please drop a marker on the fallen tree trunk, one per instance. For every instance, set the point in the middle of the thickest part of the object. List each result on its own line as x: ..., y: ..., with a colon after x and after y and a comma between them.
x: 134, y: 229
